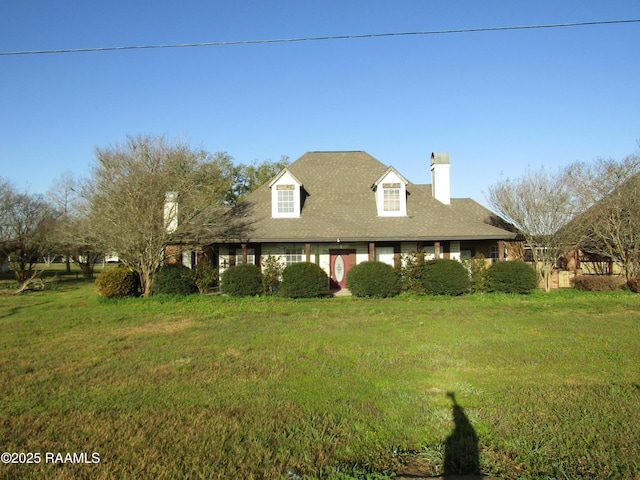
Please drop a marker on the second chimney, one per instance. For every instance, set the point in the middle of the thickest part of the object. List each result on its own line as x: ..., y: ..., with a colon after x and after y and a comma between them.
x: 440, y: 177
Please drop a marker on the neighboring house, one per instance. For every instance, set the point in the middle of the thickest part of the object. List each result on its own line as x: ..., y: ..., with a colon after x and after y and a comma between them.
x: 338, y: 209
x: 606, y: 235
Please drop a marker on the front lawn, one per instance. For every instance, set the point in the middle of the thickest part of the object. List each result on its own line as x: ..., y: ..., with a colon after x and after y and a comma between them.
x: 547, y: 385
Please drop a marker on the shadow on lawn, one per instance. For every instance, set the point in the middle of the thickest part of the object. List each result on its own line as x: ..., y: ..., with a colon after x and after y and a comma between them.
x: 461, y: 454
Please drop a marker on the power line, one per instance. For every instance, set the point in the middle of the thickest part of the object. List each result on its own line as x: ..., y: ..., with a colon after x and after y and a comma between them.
x: 313, y: 39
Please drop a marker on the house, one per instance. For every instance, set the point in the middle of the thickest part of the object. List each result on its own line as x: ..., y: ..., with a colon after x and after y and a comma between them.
x: 338, y: 209
x: 606, y: 235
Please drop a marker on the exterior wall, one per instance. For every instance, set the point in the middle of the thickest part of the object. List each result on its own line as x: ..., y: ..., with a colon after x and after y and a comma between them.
x: 173, y: 254
x: 320, y: 253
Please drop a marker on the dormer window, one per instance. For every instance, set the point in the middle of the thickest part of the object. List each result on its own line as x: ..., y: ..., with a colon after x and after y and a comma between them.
x: 286, y: 192
x: 286, y: 203
x: 391, y: 194
x: 391, y: 197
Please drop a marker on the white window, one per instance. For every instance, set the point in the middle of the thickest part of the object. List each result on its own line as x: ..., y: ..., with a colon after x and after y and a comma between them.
x: 391, y: 197
x: 286, y: 193
x: 386, y: 255
x: 293, y: 255
x: 251, y: 257
x: 391, y: 194
x: 493, y: 253
x: 286, y: 199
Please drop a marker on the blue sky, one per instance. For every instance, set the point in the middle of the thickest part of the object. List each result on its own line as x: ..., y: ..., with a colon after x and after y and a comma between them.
x: 499, y: 102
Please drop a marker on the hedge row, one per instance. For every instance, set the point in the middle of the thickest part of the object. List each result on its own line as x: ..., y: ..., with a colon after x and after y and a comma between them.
x: 434, y: 277
x: 300, y: 280
x: 367, y: 279
x: 601, y: 283
x: 440, y: 277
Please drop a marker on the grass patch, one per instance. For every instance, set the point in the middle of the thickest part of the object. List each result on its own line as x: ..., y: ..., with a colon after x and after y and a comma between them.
x: 210, y: 387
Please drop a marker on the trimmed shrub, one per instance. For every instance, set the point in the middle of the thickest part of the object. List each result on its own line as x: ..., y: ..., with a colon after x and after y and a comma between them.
x: 173, y: 279
x: 241, y: 281
x: 303, y: 280
x: 634, y: 284
x: 598, y: 283
x: 513, y: 276
x: 373, y: 279
x: 118, y: 282
x: 445, y: 277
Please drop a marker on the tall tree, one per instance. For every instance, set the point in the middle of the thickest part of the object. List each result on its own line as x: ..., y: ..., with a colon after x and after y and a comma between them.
x: 73, y: 234
x: 63, y: 196
x: 127, y: 194
x: 245, y: 178
x: 538, y: 205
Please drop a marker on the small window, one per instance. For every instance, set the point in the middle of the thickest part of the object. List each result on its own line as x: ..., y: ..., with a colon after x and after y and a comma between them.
x: 391, y: 199
x: 251, y: 257
x: 493, y: 253
x: 293, y: 255
x: 286, y: 200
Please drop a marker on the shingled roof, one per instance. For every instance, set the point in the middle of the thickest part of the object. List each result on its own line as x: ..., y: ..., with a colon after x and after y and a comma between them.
x: 339, y: 203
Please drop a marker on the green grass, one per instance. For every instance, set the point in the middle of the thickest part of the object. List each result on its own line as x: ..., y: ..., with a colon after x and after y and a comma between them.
x: 208, y: 387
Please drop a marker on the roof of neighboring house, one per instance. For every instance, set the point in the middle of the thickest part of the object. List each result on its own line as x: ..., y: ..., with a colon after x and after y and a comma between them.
x: 339, y: 203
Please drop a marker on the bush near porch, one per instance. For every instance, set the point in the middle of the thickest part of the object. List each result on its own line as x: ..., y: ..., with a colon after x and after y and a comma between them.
x: 242, y: 281
x: 514, y: 276
x: 373, y: 279
x: 304, y: 280
x: 445, y: 277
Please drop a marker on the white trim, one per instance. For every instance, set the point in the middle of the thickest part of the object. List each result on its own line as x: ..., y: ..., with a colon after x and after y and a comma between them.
x: 393, y: 181
x: 285, y: 182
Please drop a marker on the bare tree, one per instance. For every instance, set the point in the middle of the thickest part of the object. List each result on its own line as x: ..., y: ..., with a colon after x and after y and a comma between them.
x: 606, y: 203
x: 127, y: 194
x: 26, y: 222
x: 73, y: 234
x: 63, y: 196
x: 538, y: 205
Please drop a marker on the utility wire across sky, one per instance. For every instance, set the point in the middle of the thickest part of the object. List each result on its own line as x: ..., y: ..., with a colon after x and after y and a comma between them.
x: 312, y: 39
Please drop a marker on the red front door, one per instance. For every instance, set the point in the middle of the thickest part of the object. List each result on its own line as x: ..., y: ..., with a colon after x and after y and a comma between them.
x: 340, y: 264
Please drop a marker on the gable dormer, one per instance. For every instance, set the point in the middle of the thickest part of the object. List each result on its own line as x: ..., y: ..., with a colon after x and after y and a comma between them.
x: 286, y: 193
x: 391, y: 194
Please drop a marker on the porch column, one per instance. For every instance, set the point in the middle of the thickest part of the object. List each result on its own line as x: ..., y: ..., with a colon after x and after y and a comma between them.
x: 500, y: 250
x: 372, y: 251
x: 257, y: 255
x: 232, y: 256
x: 436, y: 249
x: 244, y: 253
x: 307, y: 251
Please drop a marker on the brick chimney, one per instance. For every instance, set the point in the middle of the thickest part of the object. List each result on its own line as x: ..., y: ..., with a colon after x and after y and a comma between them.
x: 440, y: 177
